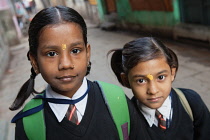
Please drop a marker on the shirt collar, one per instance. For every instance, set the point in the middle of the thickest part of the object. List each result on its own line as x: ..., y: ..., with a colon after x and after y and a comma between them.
x: 60, y: 109
x: 165, y: 109
x: 149, y: 113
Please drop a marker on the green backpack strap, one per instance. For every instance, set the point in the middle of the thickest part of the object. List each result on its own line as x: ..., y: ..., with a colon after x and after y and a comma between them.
x: 114, y: 97
x: 184, y: 102
x: 116, y: 101
x: 34, y: 125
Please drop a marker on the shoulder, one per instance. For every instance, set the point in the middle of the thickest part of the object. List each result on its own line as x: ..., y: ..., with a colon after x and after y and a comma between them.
x: 140, y: 122
x: 134, y: 101
x: 107, y: 85
x: 115, y: 95
x: 31, y: 107
x: 192, y: 96
x: 110, y: 90
x: 131, y: 107
x: 196, y: 103
x: 19, y: 130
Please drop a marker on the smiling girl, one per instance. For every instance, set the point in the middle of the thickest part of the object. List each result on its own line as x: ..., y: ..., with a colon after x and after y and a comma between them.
x: 71, y: 107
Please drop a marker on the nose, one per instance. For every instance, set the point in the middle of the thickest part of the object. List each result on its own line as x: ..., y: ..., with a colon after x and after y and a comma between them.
x: 65, y: 62
x: 152, y: 88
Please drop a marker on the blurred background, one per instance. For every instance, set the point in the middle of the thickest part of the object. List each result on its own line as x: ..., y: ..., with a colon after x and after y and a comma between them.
x: 182, y: 25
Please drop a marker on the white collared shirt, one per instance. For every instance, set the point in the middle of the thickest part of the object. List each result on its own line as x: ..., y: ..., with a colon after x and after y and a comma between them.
x: 60, y: 109
x: 149, y: 113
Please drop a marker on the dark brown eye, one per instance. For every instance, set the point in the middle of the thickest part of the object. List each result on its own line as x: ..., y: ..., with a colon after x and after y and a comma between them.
x: 51, y: 54
x: 75, y: 51
x: 141, y: 81
x: 161, y: 77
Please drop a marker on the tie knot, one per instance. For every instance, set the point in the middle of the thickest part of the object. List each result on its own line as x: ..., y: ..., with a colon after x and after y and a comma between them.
x: 72, y: 114
x: 71, y: 106
x: 158, y: 114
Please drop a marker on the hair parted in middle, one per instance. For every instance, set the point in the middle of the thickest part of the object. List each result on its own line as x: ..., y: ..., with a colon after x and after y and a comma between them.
x: 45, y: 18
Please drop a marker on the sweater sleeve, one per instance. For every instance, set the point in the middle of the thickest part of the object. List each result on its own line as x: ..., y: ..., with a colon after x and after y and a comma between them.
x: 201, y: 115
x: 137, y: 130
x: 19, y: 131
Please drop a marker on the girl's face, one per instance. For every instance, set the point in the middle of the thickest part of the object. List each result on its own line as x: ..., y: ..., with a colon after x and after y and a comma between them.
x: 151, y: 81
x: 62, y: 57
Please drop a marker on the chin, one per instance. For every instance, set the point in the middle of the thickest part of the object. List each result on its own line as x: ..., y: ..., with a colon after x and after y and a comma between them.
x: 154, y: 106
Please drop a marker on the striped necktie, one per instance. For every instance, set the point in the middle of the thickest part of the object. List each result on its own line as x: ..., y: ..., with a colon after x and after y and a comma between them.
x: 161, y: 120
x: 72, y: 114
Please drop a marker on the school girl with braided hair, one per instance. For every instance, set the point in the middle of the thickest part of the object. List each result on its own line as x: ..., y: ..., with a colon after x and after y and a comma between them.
x: 71, y: 107
x: 148, y: 68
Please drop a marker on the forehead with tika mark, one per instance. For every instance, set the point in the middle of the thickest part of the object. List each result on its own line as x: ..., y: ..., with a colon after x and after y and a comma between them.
x: 63, y: 46
x: 149, y: 76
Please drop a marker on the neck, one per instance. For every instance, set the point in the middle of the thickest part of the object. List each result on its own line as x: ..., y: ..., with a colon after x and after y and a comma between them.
x: 69, y: 93
x: 73, y: 92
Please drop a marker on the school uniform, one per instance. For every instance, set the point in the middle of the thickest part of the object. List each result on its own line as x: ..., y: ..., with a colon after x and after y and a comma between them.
x: 96, y: 122
x: 180, y: 125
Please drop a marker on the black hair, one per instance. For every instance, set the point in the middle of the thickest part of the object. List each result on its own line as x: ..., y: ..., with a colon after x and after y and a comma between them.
x: 140, y: 50
x: 48, y: 16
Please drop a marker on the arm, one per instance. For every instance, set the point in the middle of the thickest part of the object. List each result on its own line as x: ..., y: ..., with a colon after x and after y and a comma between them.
x: 19, y: 131
x: 200, y: 113
x: 137, y: 128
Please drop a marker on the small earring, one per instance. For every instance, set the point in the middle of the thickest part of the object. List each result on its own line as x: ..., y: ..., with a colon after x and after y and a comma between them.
x: 73, y: 66
x: 88, y: 68
x: 36, y: 71
x: 89, y: 64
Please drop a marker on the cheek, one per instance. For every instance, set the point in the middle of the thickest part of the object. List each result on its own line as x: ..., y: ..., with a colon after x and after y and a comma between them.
x: 166, y: 88
x: 81, y: 69
x: 139, y: 93
x: 47, y: 69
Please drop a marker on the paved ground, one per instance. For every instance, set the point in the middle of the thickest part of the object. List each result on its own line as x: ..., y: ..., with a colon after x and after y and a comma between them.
x: 194, y: 71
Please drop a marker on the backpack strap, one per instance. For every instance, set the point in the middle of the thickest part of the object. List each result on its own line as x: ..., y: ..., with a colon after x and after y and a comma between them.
x: 115, y: 99
x: 116, y: 102
x: 34, y: 125
x: 184, y: 102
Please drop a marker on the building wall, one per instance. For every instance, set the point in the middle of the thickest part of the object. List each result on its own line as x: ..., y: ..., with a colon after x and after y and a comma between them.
x: 151, y: 18
x: 145, y: 17
x: 4, y: 52
x: 157, y: 18
x: 7, y: 21
x: 101, y: 9
x: 8, y: 33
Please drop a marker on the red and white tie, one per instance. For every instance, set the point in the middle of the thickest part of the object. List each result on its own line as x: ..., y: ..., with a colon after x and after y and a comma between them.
x: 161, y: 120
x: 72, y: 114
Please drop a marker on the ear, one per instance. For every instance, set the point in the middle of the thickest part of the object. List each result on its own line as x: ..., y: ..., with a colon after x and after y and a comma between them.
x: 88, y: 48
x: 173, y: 74
x: 34, y: 63
x: 125, y: 81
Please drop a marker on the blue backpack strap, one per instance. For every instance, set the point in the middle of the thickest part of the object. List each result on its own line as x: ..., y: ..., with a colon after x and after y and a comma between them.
x: 116, y: 102
x: 34, y: 125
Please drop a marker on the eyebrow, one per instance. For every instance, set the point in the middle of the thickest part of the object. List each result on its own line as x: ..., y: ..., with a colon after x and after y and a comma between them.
x: 49, y: 46
x: 77, y: 43
x: 139, y: 75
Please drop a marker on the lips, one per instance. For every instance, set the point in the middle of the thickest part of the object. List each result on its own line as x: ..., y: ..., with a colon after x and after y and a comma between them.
x: 68, y: 78
x: 154, y: 99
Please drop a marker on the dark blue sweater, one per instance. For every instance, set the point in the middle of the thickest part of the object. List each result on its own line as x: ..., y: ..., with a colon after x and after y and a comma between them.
x: 182, y: 127
x: 96, y: 124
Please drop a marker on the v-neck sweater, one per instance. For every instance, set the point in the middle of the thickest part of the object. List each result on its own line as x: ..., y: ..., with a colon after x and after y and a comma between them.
x: 96, y: 124
x: 181, y: 126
